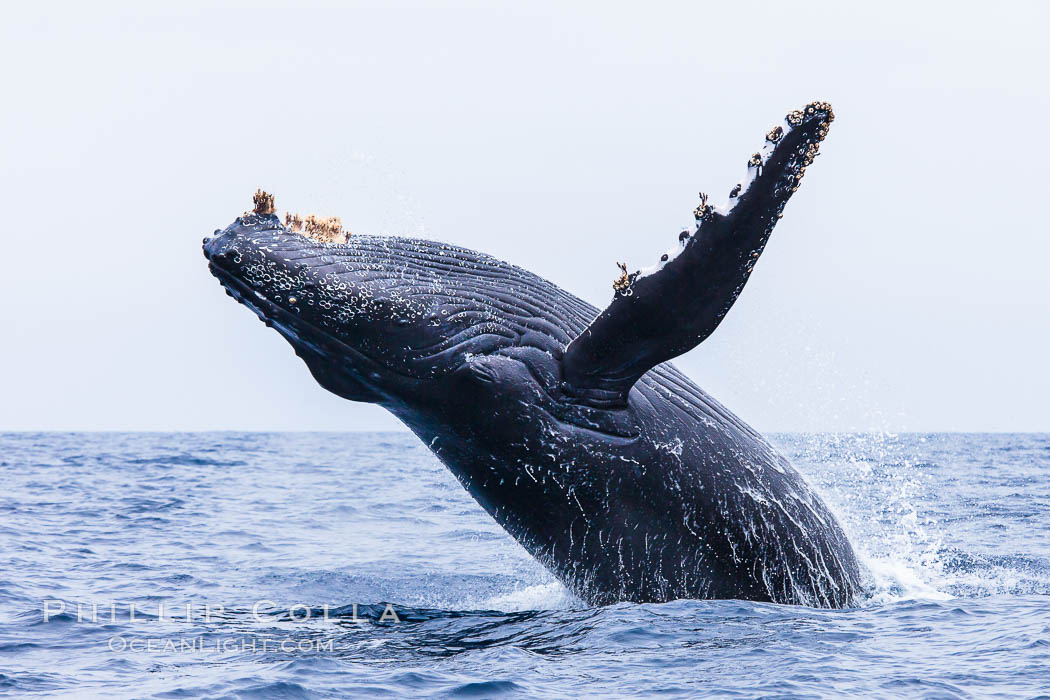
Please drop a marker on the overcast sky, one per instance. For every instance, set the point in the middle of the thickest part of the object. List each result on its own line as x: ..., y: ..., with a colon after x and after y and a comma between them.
x: 905, y: 288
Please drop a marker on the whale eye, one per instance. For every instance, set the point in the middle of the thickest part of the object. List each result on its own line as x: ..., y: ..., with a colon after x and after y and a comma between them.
x: 663, y: 258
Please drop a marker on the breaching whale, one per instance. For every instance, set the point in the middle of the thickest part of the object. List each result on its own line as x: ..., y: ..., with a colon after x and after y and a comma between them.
x: 568, y: 425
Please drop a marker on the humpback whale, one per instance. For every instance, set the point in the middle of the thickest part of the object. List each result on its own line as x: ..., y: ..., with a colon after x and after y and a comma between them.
x: 567, y: 424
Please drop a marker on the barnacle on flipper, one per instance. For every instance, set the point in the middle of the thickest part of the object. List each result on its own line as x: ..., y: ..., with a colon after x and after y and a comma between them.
x: 813, y: 107
x: 798, y: 156
x: 701, y: 212
x: 807, y: 152
x: 623, y: 282
x: 811, y: 153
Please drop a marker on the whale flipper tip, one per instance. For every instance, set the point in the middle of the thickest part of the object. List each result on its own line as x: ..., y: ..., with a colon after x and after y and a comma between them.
x: 662, y: 311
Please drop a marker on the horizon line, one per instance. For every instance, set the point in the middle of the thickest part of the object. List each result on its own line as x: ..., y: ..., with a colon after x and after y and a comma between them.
x: 56, y: 431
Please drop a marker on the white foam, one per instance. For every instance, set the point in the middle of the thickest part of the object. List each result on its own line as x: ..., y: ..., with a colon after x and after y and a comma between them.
x: 542, y: 596
x: 895, y: 580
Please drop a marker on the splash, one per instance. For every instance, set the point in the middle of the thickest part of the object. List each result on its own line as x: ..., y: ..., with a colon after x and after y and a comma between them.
x: 914, y: 523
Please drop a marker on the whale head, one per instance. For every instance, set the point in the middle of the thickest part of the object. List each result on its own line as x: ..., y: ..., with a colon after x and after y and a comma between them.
x: 375, y: 318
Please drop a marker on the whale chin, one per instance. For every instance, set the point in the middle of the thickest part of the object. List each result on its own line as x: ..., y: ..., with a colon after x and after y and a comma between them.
x: 325, y: 356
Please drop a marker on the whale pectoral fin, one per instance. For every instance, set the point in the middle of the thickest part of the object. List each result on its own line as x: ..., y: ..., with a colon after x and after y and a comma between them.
x: 659, y: 313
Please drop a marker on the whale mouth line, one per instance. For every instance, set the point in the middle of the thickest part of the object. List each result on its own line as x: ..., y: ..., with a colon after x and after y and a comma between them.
x: 288, y: 324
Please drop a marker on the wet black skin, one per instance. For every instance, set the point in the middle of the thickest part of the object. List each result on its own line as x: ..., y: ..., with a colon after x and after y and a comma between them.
x: 624, y: 478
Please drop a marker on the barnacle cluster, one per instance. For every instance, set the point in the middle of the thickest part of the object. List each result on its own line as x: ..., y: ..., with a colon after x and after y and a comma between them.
x: 812, y: 148
x: 264, y: 203
x: 774, y: 134
x: 293, y: 222
x: 325, y: 229
x: 812, y: 108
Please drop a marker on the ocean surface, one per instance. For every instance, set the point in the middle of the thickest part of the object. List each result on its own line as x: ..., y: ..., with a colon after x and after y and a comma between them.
x: 357, y: 529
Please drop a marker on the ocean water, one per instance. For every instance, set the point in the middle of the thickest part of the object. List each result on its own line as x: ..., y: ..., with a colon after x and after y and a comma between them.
x: 355, y: 529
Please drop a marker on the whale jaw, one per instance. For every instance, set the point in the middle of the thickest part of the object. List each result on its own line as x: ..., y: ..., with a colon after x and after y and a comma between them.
x: 268, y: 269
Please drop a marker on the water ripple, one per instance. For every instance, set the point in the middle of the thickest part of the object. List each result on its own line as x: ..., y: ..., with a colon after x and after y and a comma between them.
x: 348, y: 527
